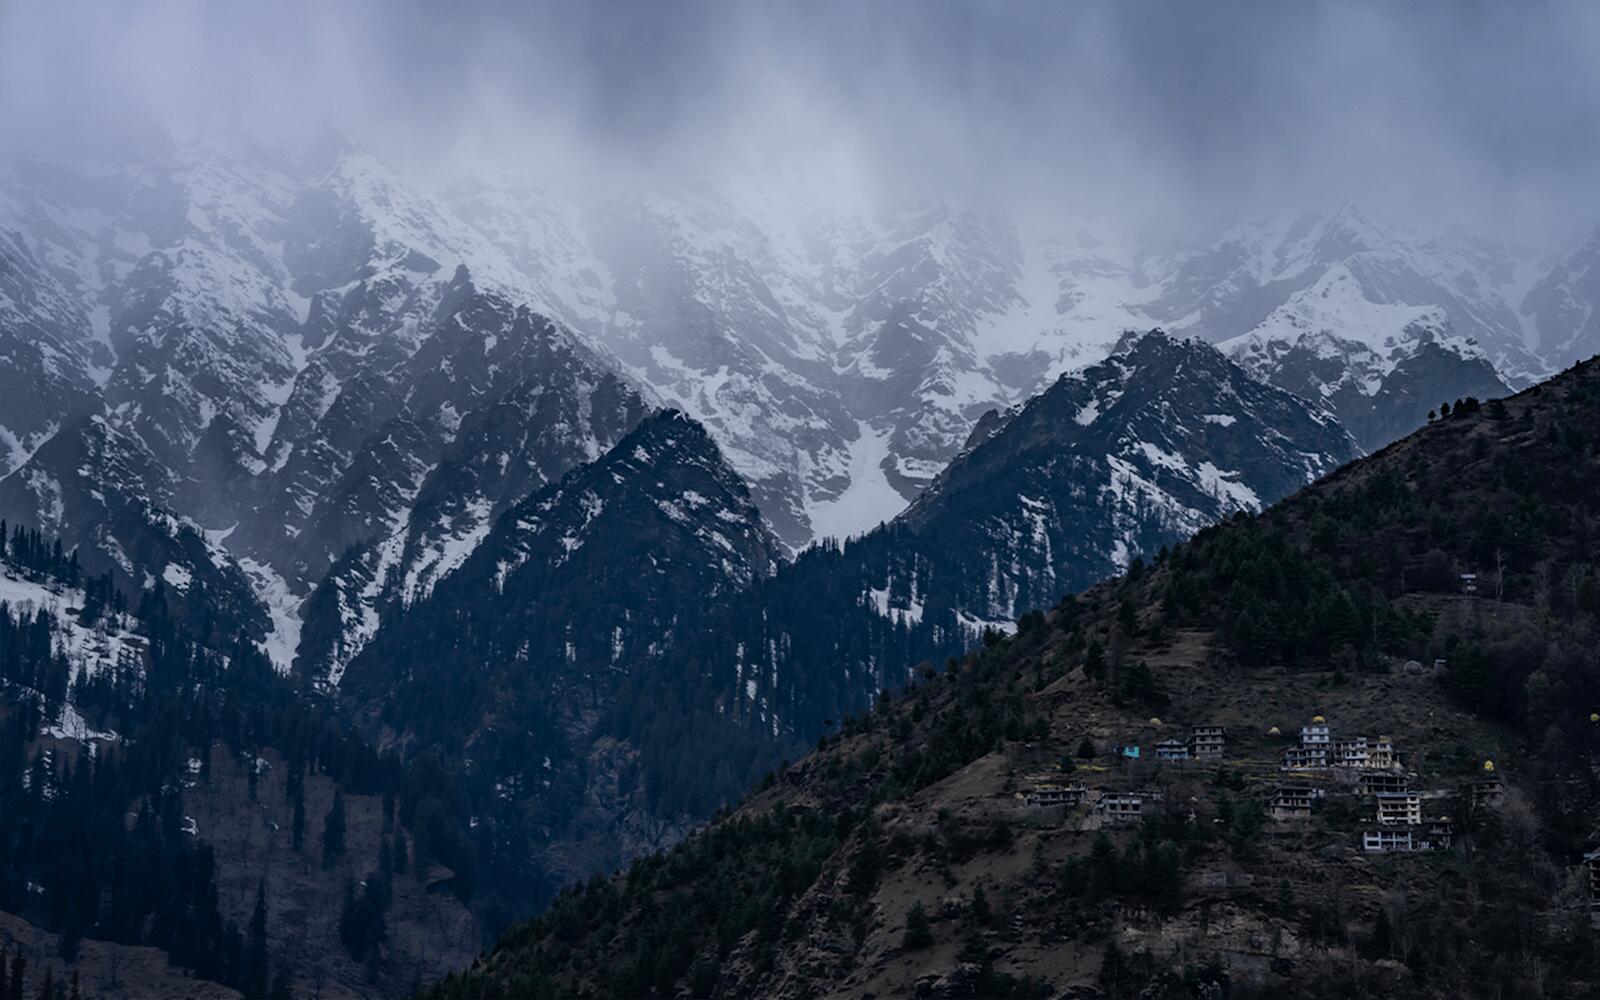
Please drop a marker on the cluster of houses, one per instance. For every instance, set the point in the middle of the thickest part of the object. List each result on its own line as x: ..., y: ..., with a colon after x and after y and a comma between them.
x: 1108, y: 808
x: 1404, y: 819
x: 1204, y: 743
x: 1319, y: 751
x: 1401, y: 821
x: 1402, y: 826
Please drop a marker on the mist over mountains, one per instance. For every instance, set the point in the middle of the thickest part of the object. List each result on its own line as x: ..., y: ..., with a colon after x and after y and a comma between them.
x: 339, y: 363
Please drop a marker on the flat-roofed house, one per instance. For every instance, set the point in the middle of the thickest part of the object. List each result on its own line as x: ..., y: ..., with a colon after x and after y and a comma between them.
x: 1207, y: 742
x: 1120, y: 808
x: 1388, y: 840
x: 1068, y: 795
x: 1172, y: 750
x: 1291, y: 802
x: 1374, y: 782
x: 1399, y: 809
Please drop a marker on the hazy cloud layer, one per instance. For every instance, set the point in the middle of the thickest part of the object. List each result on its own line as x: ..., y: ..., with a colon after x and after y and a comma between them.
x: 1134, y: 114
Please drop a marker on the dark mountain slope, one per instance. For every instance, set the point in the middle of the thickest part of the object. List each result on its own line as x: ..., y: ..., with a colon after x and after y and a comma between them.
x: 902, y: 857
x: 513, y: 659
x: 150, y: 787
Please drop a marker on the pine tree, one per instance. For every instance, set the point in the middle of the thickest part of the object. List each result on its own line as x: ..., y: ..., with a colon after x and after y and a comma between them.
x: 1382, y: 941
x: 298, y: 826
x: 333, y: 831
x: 980, y: 911
x: 19, y: 975
x: 1094, y: 660
x: 919, y: 929
x: 1114, y: 971
x: 255, y: 958
x: 71, y: 938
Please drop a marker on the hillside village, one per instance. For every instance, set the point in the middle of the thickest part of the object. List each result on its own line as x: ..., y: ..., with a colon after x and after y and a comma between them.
x: 1399, y: 810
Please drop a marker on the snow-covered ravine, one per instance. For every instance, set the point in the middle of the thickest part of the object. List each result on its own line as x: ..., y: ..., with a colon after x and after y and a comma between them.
x: 869, y: 500
x: 284, y: 608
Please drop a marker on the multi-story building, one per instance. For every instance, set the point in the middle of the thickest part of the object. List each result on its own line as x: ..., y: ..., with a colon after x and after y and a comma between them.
x: 1487, y: 792
x: 1172, y: 750
x: 1207, y: 742
x: 1056, y: 795
x: 1375, y: 782
x: 1350, y: 751
x: 1399, y: 809
x: 1381, y: 755
x: 1302, y: 758
x: 1291, y: 802
x: 1316, y: 734
x: 1389, y: 840
x: 1120, y: 808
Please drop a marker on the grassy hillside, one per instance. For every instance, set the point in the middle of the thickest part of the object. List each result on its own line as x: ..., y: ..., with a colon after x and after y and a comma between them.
x: 902, y: 857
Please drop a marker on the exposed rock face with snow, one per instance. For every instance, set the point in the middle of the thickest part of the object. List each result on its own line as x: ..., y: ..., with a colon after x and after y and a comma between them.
x: 291, y: 365
x: 105, y: 494
x: 1379, y: 390
x: 408, y: 468
x: 521, y: 654
x: 1161, y: 439
x: 45, y: 379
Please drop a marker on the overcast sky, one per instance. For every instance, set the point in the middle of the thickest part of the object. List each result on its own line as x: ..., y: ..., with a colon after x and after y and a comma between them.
x: 1138, y: 113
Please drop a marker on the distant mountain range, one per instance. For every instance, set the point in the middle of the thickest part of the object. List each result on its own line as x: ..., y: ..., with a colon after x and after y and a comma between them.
x: 219, y: 302
x: 330, y: 378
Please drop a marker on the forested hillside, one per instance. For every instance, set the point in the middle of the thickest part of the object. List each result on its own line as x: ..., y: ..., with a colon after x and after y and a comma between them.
x: 996, y: 830
x: 159, y: 792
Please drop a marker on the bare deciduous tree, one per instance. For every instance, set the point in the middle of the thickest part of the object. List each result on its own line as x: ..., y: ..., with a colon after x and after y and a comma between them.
x: 1541, y: 574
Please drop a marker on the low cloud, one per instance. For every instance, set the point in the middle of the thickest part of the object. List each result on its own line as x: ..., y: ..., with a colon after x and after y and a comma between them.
x: 1121, y: 115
